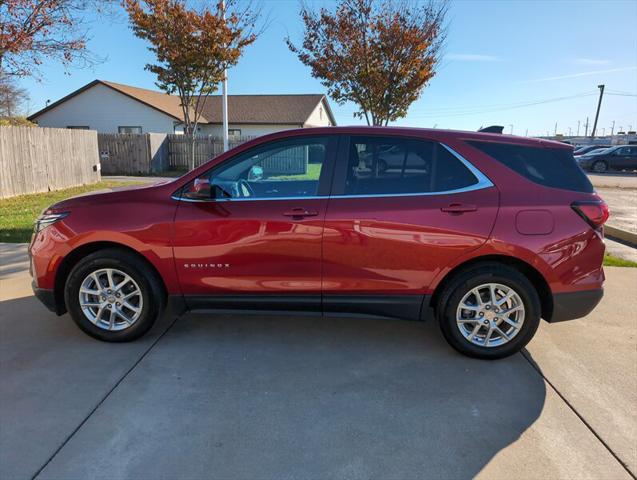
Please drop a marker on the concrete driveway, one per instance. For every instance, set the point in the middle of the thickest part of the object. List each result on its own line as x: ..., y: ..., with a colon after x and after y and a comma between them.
x: 300, y: 397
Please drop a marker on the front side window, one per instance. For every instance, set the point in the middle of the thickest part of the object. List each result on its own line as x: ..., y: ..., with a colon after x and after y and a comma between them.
x: 627, y: 151
x: 289, y: 168
x: 391, y: 165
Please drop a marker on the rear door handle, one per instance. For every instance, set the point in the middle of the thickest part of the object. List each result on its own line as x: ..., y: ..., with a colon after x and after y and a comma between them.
x: 300, y: 213
x: 459, y: 208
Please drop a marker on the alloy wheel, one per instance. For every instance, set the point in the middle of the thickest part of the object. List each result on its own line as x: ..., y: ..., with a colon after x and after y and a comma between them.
x: 111, y: 299
x: 490, y: 315
x: 599, y: 167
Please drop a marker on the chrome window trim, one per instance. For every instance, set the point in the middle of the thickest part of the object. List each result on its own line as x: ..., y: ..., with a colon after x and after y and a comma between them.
x: 247, y: 199
x: 482, y: 183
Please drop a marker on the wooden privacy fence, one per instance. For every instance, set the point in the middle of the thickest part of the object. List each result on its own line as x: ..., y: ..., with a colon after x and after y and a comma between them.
x: 36, y: 160
x: 206, y: 147
x: 133, y: 154
x: 289, y: 161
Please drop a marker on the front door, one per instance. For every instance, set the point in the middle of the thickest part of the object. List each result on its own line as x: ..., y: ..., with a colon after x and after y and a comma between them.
x: 401, y: 211
x: 625, y: 158
x: 248, y: 233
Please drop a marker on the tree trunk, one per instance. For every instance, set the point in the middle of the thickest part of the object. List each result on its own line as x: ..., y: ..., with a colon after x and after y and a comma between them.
x: 192, y: 152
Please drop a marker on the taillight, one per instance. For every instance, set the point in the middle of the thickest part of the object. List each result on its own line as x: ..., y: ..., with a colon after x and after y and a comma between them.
x: 595, y: 213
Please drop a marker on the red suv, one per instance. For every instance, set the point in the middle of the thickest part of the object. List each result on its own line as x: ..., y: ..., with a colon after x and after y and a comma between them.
x: 487, y: 233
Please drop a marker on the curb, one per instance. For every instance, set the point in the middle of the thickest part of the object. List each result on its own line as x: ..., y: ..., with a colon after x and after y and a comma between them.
x: 623, y: 235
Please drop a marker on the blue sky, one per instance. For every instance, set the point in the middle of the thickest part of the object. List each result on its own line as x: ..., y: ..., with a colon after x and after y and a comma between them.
x: 499, y: 56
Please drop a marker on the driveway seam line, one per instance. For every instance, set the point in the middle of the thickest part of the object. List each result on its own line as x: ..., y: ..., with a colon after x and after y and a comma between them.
x: 103, y: 399
x: 534, y: 365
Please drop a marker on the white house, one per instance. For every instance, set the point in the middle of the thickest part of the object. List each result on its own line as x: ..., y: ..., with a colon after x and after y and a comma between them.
x: 115, y: 108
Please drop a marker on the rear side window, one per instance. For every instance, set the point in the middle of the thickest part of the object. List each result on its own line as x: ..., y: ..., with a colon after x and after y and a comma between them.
x: 391, y: 165
x: 551, y: 167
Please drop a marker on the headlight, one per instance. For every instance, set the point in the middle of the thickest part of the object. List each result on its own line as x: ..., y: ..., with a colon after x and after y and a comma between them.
x: 47, y: 219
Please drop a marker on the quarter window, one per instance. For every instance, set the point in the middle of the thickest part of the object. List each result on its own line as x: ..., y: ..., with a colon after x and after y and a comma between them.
x: 289, y: 168
x: 386, y: 165
x: 551, y: 167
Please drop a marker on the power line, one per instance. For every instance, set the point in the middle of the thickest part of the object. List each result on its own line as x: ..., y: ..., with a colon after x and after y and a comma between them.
x: 489, y: 110
x: 497, y: 106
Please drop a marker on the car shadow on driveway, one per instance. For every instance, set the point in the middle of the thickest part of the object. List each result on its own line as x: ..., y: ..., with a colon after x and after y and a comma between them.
x: 303, y: 397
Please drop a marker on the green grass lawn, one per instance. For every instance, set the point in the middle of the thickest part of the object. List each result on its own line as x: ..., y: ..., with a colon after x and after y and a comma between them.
x: 17, y: 214
x: 313, y: 173
x: 612, y: 261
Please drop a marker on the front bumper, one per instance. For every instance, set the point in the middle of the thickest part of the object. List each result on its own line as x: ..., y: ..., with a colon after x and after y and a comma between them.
x: 569, y: 306
x: 47, y: 297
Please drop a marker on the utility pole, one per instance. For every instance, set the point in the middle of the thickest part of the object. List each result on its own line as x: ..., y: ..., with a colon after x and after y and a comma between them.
x: 527, y: 133
x: 224, y: 94
x: 578, y: 122
x: 569, y: 131
x: 599, y: 104
x: 555, y: 131
x: 612, y: 129
x: 586, y: 128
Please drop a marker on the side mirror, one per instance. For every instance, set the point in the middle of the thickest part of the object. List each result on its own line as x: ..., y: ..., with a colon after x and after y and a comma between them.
x: 255, y: 173
x: 201, y: 187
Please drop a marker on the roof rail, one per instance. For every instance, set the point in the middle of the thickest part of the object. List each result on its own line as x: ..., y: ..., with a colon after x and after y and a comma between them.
x: 492, y: 129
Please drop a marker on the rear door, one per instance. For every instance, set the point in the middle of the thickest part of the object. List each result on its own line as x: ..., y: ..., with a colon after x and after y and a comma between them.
x: 253, y: 240
x: 401, y: 211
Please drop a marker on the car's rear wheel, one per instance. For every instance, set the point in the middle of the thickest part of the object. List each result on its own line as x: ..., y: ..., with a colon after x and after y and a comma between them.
x: 600, y: 166
x: 113, y: 295
x: 490, y: 311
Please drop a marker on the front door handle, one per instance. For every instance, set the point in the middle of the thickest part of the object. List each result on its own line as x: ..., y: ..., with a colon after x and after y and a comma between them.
x: 459, y: 208
x: 300, y: 213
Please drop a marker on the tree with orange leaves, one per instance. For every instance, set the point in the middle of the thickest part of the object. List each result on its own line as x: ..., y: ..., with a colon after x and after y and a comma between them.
x: 32, y: 30
x: 377, y: 54
x: 193, y: 48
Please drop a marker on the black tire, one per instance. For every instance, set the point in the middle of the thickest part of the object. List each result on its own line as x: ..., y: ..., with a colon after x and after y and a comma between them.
x: 481, y: 274
x: 146, y: 278
x: 600, y: 166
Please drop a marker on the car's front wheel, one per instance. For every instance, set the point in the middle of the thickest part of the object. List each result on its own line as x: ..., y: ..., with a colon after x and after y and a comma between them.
x: 600, y: 166
x: 113, y: 295
x: 491, y: 311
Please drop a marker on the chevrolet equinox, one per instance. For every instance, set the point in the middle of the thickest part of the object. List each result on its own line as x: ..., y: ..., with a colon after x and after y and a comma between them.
x: 487, y: 233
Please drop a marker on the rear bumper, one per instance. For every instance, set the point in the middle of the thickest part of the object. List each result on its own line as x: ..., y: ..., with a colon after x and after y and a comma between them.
x: 47, y: 297
x: 569, y: 306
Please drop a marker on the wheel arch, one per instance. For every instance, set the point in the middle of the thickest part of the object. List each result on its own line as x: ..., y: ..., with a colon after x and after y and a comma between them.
x: 530, y: 272
x: 75, y: 255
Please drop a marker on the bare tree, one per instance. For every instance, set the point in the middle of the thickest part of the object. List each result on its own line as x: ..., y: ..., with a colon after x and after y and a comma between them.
x: 12, y: 97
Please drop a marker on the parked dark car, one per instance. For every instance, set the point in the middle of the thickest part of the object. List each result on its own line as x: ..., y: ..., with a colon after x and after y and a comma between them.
x: 588, y: 149
x: 487, y: 233
x: 620, y: 157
